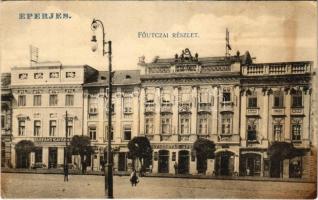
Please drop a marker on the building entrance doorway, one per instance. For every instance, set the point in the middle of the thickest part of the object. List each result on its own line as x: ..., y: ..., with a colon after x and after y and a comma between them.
x: 163, y: 163
x: 224, y: 163
x: 122, y: 161
x: 276, y: 168
x: 250, y: 164
x: 52, y: 157
x: 183, y: 162
x: 23, y: 160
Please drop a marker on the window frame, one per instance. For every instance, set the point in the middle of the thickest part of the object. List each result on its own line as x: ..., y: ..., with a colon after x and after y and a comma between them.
x: 92, y: 132
x: 37, y: 128
x: 22, y: 100
x: 53, y: 101
x: 52, y: 127
x: 21, y: 128
x: 37, y: 100
x: 69, y: 100
x: 126, y: 129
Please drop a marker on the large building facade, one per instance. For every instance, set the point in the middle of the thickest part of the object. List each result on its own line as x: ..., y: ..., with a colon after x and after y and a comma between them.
x: 240, y: 105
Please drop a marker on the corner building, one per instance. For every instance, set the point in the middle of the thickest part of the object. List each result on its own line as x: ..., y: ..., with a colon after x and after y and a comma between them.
x: 240, y: 105
x: 42, y: 94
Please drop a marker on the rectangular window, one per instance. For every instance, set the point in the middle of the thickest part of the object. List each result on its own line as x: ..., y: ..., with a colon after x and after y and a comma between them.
x: 278, y: 131
x: 226, y: 96
x: 21, y: 127
x: 127, y: 133
x: 2, y: 121
x: 296, y: 132
x: 69, y: 100
x: 165, y: 124
x: 93, y: 106
x: 69, y: 127
x: 37, y: 100
x: 149, y: 125
x: 21, y: 100
x: 203, y: 125
x: 111, y: 133
x: 37, y: 127
x: 252, y: 102
x: 279, y: 99
x: 251, y: 129
x: 226, y: 124
x: 53, y: 100
x: 127, y: 105
x: 185, y: 124
x: 92, y: 133
x: 52, y: 128
x: 297, y: 99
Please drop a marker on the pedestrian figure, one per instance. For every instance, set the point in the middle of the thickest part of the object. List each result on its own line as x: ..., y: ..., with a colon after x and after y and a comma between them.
x: 83, y: 167
x: 65, y: 173
x: 247, y: 171
x: 134, y: 178
x: 175, y: 168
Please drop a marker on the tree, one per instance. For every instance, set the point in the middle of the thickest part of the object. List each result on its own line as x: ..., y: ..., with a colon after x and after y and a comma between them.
x: 81, y: 145
x: 25, y: 146
x: 140, y: 148
x: 282, y: 150
x: 204, y: 150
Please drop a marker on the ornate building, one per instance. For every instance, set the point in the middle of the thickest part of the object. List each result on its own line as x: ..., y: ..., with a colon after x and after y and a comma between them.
x: 42, y: 94
x: 125, y: 116
x: 6, y: 122
x: 240, y: 105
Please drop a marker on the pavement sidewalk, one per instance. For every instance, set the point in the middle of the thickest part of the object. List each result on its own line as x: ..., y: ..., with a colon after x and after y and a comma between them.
x: 187, y: 176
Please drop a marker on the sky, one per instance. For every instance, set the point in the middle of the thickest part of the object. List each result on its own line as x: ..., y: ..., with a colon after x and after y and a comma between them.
x: 270, y: 31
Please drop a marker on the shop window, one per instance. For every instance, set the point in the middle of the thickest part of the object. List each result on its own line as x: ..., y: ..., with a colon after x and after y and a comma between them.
x: 37, y: 100
x: 295, y: 167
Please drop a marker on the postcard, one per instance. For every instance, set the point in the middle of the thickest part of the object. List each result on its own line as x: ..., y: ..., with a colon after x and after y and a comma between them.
x: 158, y: 99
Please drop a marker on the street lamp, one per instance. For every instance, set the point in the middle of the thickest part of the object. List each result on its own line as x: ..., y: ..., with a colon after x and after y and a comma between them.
x: 108, y: 173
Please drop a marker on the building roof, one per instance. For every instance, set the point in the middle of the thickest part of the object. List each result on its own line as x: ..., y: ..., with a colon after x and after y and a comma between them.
x: 120, y: 77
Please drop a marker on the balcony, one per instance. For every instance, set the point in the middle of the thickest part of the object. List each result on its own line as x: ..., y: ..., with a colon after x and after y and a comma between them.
x: 204, y: 107
x: 165, y: 137
x: 297, y: 111
x: 226, y: 106
x: 228, y: 138
x: 166, y: 107
x: 278, y: 111
x: 252, y: 111
x: 149, y: 107
x: 184, y: 137
x: 185, y: 107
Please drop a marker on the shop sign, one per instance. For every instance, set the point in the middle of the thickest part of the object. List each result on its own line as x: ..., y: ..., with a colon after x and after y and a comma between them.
x: 51, y: 139
x: 171, y: 146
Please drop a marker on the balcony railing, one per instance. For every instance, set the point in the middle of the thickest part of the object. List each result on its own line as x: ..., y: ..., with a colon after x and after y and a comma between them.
x: 166, y: 107
x: 185, y: 107
x: 149, y: 107
x: 278, y: 111
x: 277, y: 68
x: 226, y: 106
x: 297, y: 111
x: 204, y: 107
x: 252, y: 111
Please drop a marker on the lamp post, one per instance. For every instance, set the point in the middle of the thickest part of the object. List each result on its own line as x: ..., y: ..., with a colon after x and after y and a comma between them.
x: 108, y: 173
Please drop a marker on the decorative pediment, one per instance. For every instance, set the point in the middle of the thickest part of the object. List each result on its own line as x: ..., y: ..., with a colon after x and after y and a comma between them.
x: 186, y: 56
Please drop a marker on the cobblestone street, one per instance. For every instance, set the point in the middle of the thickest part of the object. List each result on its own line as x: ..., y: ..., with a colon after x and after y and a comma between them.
x: 89, y: 186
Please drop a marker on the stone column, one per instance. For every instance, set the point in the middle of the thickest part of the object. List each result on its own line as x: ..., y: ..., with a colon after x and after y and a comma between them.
x: 263, y: 122
x: 194, y: 114
x: 193, y: 166
x: 155, y: 164
x: 215, y: 103
x: 286, y: 168
x: 32, y: 158
x: 135, y: 115
x: 171, y: 163
x: 175, y: 104
x: 142, y: 111
x: 115, y: 162
x: 287, y: 132
x: 85, y: 113
x: 306, y: 125
x: 13, y: 156
x: 60, y: 155
x: 45, y: 156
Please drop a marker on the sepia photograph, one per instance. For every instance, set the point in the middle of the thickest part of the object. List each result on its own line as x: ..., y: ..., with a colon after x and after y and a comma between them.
x: 158, y: 99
